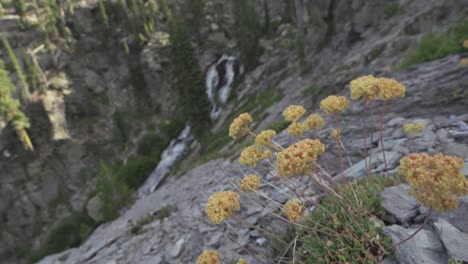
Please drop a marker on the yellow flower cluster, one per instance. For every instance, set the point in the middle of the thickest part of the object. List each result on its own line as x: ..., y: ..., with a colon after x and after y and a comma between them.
x: 252, y: 155
x: 294, y: 210
x: 220, y: 205
x: 296, y: 159
x: 335, y: 134
x: 249, y: 183
x: 435, y: 180
x: 364, y: 86
x: 264, y: 139
x: 242, y: 261
x: 334, y: 104
x: 465, y: 43
x: 293, y: 112
x: 390, y: 88
x: 413, y: 128
x: 296, y: 129
x: 314, y: 121
x: 240, y: 126
x: 208, y: 257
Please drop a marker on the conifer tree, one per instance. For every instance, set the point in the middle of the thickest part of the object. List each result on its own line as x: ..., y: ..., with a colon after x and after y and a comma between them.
x: 10, y: 108
x: 103, y: 15
x: 19, y: 71
x: 188, y: 75
x: 247, y: 32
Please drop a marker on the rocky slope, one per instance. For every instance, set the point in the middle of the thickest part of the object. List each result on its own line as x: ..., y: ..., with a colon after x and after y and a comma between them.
x: 344, y: 39
x: 181, y: 235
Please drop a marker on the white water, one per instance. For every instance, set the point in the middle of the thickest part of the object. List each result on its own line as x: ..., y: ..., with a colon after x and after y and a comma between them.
x: 219, y: 95
x: 169, y: 156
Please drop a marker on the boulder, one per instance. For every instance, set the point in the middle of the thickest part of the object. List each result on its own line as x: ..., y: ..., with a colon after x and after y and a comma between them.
x: 453, y: 239
x: 424, y: 248
x: 93, y: 208
x: 397, y: 202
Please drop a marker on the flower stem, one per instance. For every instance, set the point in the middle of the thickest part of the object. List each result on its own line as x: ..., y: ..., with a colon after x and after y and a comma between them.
x: 381, y: 136
x: 417, y: 231
x: 340, y: 158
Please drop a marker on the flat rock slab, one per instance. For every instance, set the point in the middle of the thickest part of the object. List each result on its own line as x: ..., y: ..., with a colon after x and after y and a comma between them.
x: 424, y: 248
x: 455, y: 241
x: 397, y: 201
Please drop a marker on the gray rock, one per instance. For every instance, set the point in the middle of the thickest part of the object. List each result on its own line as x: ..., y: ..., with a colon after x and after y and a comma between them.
x: 93, y: 82
x: 178, y: 246
x: 397, y: 201
x: 424, y: 248
x: 453, y: 239
x: 358, y: 170
x: 93, y: 208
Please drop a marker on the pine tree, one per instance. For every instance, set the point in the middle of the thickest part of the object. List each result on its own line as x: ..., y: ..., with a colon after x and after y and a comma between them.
x: 10, y: 108
x: 19, y: 71
x: 197, y: 8
x: 103, y: 15
x: 247, y: 32
x: 188, y: 75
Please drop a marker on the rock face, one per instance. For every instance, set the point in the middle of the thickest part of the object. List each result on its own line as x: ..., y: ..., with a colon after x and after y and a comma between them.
x: 453, y: 239
x: 397, y: 201
x: 424, y: 248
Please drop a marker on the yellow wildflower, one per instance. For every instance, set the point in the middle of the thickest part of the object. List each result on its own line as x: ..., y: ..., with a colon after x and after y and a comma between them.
x: 413, y: 128
x: 264, y: 138
x: 249, y: 183
x: 364, y: 87
x: 390, y: 88
x: 314, y: 121
x: 220, y: 205
x: 296, y: 159
x: 252, y: 155
x: 465, y: 43
x: 464, y: 62
x: 294, y: 210
x: 334, y: 104
x: 293, y: 112
x: 296, y: 129
x: 335, y: 134
x: 208, y: 257
x: 242, y: 261
x: 240, y: 126
x: 435, y: 180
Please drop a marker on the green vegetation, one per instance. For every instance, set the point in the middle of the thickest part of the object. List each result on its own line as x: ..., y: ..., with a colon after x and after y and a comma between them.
x: 70, y: 232
x: 359, y: 241
x: 24, y: 92
x: 436, y: 46
x: 103, y: 15
x: 247, y: 32
x: 391, y: 9
x: 20, y: 9
x: 197, y: 7
x: 10, y: 108
x: 118, y: 181
x: 188, y: 77
x: 311, y: 90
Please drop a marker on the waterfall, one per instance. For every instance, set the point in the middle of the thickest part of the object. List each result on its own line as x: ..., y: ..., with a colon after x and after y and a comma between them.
x: 219, y: 78
x: 170, y: 155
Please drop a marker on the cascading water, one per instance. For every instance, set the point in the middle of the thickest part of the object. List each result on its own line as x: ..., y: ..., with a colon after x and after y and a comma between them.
x: 219, y: 79
x: 169, y: 156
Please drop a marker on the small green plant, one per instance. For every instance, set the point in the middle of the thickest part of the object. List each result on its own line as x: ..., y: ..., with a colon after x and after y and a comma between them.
x: 391, y: 9
x: 360, y: 242
x: 435, y: 46
x: 103, y: 15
